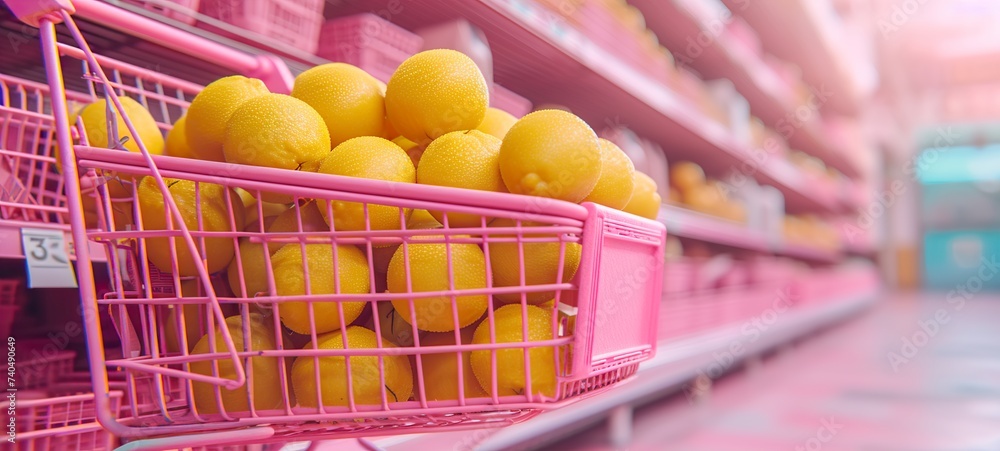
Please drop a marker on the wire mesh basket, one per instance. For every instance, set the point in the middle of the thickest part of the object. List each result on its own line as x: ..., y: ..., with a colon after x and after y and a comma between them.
x: 57, y: 420
x: 31, y: 190
x: 364, y: 320
x: 40, y: 362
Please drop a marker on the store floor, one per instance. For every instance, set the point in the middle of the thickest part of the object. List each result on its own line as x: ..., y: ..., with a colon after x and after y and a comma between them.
x: 914, y: 372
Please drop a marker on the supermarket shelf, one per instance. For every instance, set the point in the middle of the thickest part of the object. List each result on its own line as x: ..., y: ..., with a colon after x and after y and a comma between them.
x: 570, y: 63
x: 805, y: 252
x: 806, y: 35
x: 678, y: 29
x: 10, y: 241
x: 698, y: 226
x: 702, y: 227
x: 539, y: 56
x: 676, y: 362
x: 861, y: 249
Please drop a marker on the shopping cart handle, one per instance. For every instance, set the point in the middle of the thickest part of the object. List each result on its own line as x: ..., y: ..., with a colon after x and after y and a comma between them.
x: 32, y: 12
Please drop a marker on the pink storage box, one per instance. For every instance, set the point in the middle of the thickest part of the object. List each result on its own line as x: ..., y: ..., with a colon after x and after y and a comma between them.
x: 369, y: 42
x: 179, y: 10
x: 292, y: 22
x: 509, y: 101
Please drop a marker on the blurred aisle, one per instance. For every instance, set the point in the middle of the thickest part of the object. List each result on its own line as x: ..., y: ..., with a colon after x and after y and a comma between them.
x: 878, y: 382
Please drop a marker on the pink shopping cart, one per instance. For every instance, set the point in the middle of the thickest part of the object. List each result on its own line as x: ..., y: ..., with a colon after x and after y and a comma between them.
x: 276, y: 359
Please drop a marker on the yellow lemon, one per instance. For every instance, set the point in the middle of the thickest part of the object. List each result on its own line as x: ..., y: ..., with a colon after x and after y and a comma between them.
x: 210, y: 112
x: 252, y: 262
x: 348, y: 99
x: 266, y: 371
x: 510, y: 370
x: 307, y: 216
x: 422, y: 219
x: 541, y: 265
x: 441, y: 370
x: 350, y: 275
x: 614, y: 187
x: 645, y: 200
x: 468, y: 159
x: 192, y: 326
x: 275, y: 131
x: 95, y: 122
x: 428, y: 264
x: 435, y: 92
x: 551, y: 153
x: 366, y: 384
x: 497, y: 122
x: 177, y: 145
x: 194, y: 315
x: 374, y: 158
x: 268, y: 210
x: 413, y: 150
x: 685, y: 175
x: 419, y: 220
x: 392, y: 326
x: 218, y: 214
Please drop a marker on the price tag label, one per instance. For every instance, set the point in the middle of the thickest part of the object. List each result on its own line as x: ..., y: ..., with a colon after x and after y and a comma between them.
x: 47, y: 259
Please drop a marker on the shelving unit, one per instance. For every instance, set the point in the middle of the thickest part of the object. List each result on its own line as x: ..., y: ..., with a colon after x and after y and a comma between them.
x: 697, y: 226
x: 527, y: 41
x: 808, y: 36
x: 683, y: 31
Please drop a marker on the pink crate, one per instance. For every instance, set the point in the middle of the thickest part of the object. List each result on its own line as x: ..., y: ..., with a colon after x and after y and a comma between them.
x: 180, y: 10
x: 52, y: 421
x: 40, y: 363
x: 506, y: 100
x: 616, y: 290
x: 369, y: 42
x: 7, y: 314
x: 9, y: 292
x: 291, y: 22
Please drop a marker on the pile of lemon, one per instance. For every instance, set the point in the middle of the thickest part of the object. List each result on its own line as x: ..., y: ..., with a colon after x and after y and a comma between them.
x: 430, y: 124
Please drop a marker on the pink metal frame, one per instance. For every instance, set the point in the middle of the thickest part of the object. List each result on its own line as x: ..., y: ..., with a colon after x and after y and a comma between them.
x: 603, y: 320
x: 31, y: 190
